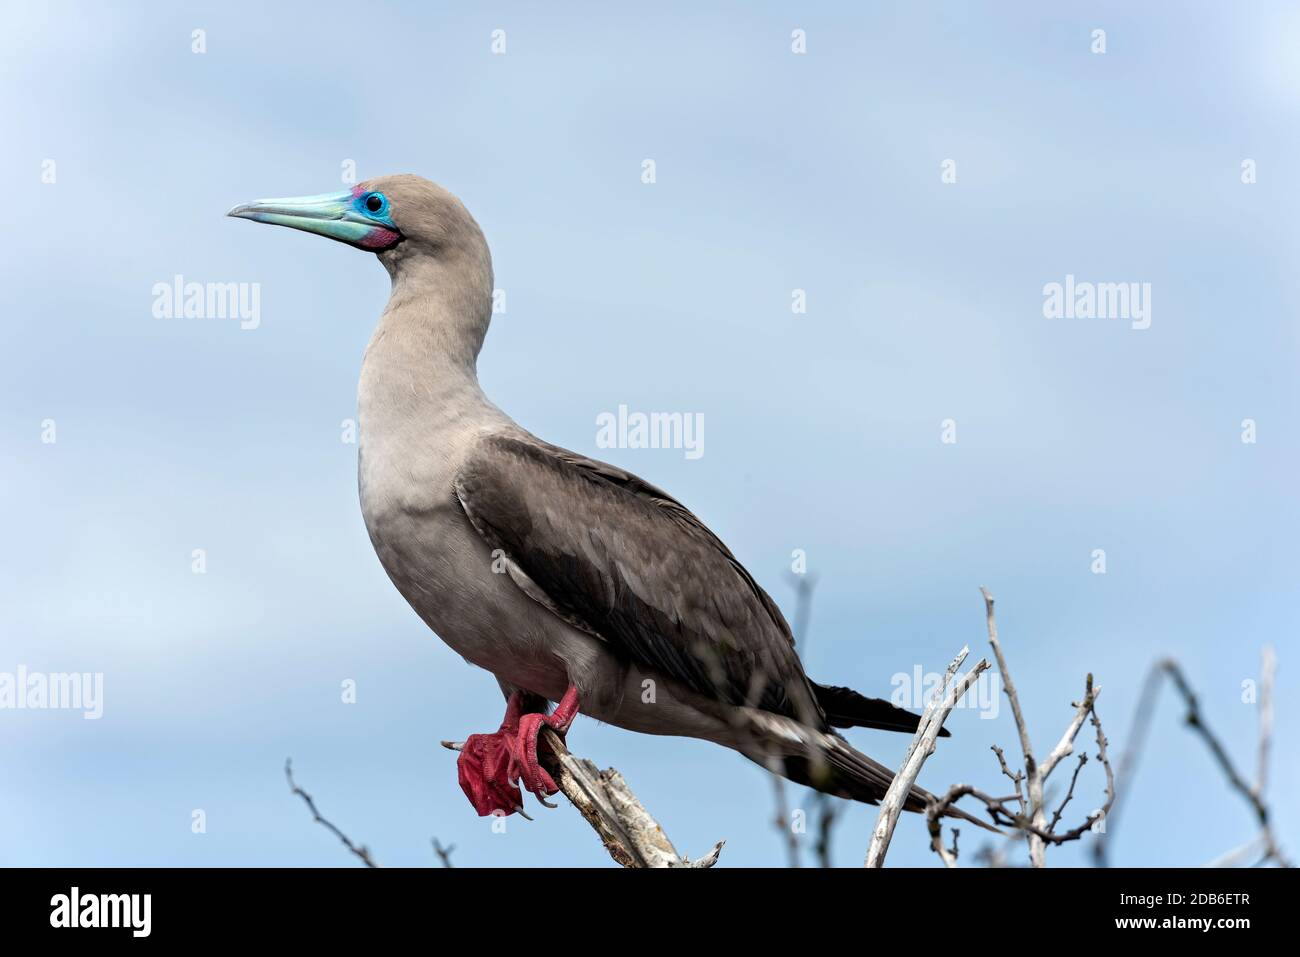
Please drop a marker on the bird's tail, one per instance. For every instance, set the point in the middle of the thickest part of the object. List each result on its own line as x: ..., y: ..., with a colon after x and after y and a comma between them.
x: 832, y: 765
x: 845, y: 708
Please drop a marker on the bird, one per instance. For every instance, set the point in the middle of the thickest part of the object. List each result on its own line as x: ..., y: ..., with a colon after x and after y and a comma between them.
x: 571, y: 580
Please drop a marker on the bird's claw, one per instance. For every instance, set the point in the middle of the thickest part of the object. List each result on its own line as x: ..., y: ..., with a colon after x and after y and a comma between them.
x: 491, y: 767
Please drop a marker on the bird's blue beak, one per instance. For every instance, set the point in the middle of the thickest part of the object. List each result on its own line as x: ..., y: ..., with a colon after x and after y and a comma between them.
x: 343, y: 216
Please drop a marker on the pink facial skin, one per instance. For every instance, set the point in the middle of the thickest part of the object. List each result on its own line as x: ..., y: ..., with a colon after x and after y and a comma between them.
x: 379, y: 237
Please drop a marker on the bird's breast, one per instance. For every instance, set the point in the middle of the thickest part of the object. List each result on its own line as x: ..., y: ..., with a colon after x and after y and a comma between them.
x: 447, y: 573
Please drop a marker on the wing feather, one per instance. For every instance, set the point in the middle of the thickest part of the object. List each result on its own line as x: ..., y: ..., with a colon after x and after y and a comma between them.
x: 626, y: 562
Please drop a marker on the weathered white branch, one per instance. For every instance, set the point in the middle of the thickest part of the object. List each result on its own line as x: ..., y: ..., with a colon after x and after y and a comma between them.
x: 1033, y: 782
x: 1036, y: 774
x: 1028, y: 815
x: 1065, y: 746
x: 922, y: 746
x: 630, y: 834
x: 1018, y: 817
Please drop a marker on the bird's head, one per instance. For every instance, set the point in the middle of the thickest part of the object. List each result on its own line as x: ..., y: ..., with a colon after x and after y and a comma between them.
x: 426, y: 239
x: 389, y: 213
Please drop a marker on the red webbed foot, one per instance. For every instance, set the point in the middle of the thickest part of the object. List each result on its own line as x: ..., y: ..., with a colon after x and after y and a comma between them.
x: 484, y: 764
x: 492, y: 766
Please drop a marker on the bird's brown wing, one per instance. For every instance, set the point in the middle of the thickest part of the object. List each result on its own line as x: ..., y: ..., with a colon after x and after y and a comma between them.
x: 627, y: 563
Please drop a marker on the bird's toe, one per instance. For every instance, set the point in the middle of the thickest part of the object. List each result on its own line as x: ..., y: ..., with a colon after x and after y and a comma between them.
x: 484, y: 769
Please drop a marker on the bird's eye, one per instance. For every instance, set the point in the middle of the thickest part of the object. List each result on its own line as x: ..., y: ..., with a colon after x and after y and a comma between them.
x: 375, y: 202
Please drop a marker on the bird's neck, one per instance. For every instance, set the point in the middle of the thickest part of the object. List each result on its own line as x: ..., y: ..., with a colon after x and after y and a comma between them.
x: 421, y: 363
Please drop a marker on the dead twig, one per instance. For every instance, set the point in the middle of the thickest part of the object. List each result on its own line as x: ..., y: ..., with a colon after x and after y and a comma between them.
x: 782, y: 820
x: 803, y: 585
x: 444, y: 853
x: 1167, y: 668
x: 1056, y: 815
x: 1025, y: 810
x: 360, y: 851
x: 828, y: 810
x: 1031, y: 815
x: 1034, y: 783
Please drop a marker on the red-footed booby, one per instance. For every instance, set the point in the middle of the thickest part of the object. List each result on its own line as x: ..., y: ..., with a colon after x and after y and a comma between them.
x: 571, y: 580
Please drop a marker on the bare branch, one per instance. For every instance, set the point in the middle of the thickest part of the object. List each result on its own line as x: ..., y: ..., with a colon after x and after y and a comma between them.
x: 932, y: 814
x: 1239, y: 855
x: 803, y: 590
x: 631, y: 836
x: 1253, y: 795
x: 1104, y: 757
x: 782, y: 820
x: 1266, y: 840
x: 1074, y: 779
x: 803, y: 585
x: 444, y: 853
x: 927, y: 732
x: 1128, y: 763
x: 1029, y: 814
x: 1008, y: 685
x: 828, y: 810
x: 1016, y: 778
x: 361, y: 851
x: 1267, y: 676
x: 1196, y: 722
x: 1065, y: 746
x: 1002, y: 815
x: 1034, y: 782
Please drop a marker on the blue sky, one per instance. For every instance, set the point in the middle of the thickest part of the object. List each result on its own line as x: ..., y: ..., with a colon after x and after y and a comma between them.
x: 774, y: 172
